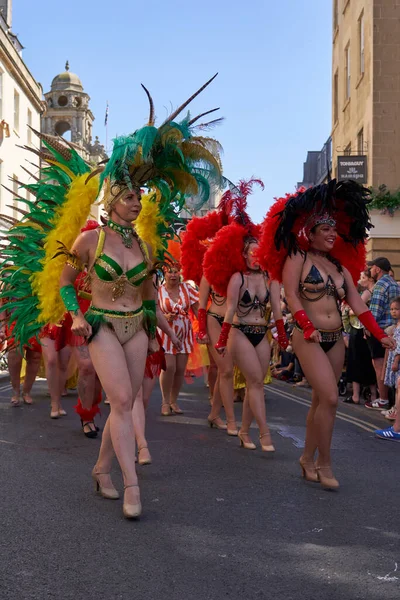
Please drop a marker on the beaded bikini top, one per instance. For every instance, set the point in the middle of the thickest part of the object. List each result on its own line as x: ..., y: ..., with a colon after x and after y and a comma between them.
x: 107, y: 273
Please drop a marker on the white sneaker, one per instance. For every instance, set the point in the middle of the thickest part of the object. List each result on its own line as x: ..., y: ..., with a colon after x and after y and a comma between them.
x: 391, y: 414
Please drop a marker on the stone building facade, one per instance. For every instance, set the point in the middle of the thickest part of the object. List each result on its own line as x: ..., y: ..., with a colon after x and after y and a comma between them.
x: 20, y: 106
x: 366, y: 102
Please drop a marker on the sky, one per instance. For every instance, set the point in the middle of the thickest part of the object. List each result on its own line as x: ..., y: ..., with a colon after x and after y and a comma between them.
x: 273, y: 59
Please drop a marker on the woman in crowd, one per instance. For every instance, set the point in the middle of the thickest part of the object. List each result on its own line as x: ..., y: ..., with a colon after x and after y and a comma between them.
x: 155, y: 364
x: 360, y: 370
x: 199, y: 234
x: 175, y: 300
x: 392, y: 379
x: 56, y: 367
x: 118, y: 267
x: 209, y: 333
x: 231, y: 267
x: 303, y: 237
x: 32, y: 354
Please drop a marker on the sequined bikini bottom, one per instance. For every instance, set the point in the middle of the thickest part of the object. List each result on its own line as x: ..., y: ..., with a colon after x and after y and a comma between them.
x: 123, y: 324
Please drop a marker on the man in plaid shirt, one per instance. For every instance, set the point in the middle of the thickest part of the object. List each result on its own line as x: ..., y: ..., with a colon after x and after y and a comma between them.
x: 385, y: 290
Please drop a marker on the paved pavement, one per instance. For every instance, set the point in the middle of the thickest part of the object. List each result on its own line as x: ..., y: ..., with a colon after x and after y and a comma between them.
x: 218, y: 521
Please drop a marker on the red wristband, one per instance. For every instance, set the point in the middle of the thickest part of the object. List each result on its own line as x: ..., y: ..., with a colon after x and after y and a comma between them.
x: 305, y: 323
x: 202, y: 319
x: 223, y: 336
x: 368, y: 320
x: 282, y: 337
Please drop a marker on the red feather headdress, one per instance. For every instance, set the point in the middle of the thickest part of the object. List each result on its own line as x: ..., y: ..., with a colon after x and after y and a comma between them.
x: 287, y: 224
x: 195, y: 241
x: 225, y: 257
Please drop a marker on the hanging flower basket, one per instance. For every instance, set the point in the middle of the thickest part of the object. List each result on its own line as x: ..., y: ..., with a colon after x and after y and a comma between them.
x: 384, y: 200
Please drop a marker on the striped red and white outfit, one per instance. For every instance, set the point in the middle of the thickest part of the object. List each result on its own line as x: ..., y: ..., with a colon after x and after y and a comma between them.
x: 181, y: 323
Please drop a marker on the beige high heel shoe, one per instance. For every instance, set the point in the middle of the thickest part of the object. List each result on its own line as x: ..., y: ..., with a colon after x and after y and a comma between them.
x: 267, y: 447
x: 231, y: 430
x: 165, y: 410
x: 217, y: 423
x: 328, y: 483
x: 144, y: 456
x: 243, y: 443
x: 110, y: 493
x: 309, y: 471
x: 132, y: 511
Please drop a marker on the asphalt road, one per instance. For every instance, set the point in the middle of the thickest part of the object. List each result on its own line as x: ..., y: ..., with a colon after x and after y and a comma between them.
x: 218, y: 521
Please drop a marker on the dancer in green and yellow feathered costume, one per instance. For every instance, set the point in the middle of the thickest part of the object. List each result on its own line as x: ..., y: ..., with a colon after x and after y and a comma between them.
x: 173, y: 162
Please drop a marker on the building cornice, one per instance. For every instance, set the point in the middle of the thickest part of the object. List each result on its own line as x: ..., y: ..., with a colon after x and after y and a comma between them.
x: 20, y: 72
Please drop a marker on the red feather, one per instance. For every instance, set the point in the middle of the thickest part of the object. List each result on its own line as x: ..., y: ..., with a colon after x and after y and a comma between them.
x: 194, y: 243
x: 272, y: 260
x: 225, y: 257
x: 90, y: 224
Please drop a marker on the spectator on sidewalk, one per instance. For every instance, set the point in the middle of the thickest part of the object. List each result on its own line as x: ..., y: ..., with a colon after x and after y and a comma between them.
x: 360, y: 370
x: 392, y: 379
x: 386, y: 289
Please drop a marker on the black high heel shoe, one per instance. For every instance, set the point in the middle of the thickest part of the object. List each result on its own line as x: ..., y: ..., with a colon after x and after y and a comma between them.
x: 93, y: 432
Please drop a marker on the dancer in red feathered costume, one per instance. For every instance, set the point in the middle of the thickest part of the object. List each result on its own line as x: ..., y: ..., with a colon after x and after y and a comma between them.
x: 67, y: 344
x: 199, y: 234
x: 314, y: 241
x: 232, y: 270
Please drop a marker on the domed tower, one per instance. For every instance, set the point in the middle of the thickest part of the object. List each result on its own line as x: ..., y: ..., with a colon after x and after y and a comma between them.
x: 68, y: 110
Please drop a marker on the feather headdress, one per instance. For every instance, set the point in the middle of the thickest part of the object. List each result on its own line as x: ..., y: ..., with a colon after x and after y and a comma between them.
x: 289, y: 220
x: 172, y: 158
x: 225, y: 257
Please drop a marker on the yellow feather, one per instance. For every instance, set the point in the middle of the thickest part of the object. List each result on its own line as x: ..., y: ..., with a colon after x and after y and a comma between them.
x: 62, y: 167
x: 67, y: 224
x: 148, y: 221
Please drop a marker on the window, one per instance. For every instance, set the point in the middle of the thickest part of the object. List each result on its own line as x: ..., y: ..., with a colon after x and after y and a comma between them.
x: 336, y: 97
x: 347, y: 150
x: 360, y: 141
x: 16, y: 110
x: 1, y: 94
x: 29, y: 131
x: 335, y: 14
x: 361, y: 41
x: 347, y: 71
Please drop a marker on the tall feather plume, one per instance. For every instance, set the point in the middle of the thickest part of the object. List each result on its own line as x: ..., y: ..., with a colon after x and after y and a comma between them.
x: 208, y: 112
x: 151, y: 120
x: 176, y: 112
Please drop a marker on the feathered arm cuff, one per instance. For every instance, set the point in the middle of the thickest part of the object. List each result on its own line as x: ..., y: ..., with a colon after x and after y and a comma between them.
x: 72, y: 258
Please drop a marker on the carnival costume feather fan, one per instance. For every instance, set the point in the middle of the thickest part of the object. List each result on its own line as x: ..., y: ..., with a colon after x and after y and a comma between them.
x: 29, y: 273
x: 225, y: 257
x: 171, y: 159
x: 284, y: 230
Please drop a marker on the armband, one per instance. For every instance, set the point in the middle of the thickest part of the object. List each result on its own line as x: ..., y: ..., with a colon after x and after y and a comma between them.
x: 202, y: 319
x: 304, y: 323
x: 72, y: 259
x: 282, y: 337
x: 69, y: 298
x: 223, y: 336
x: 367, y: 319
